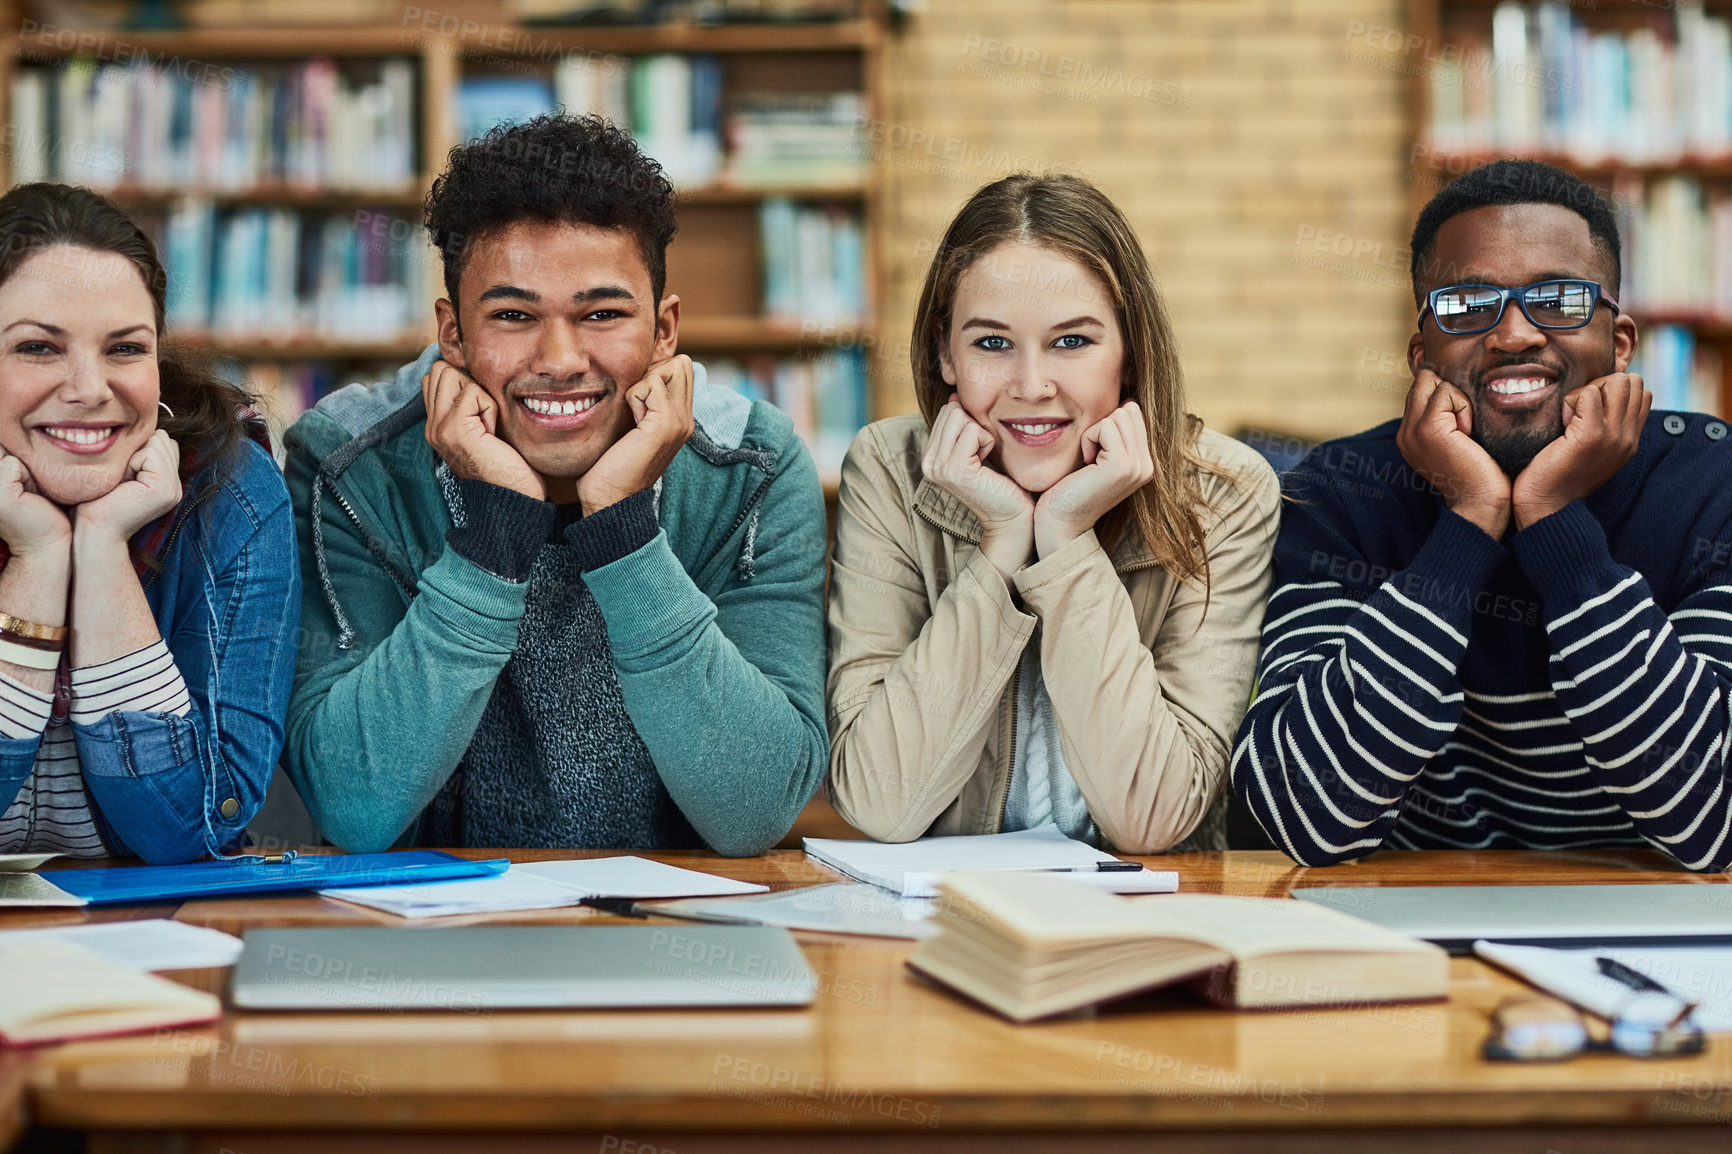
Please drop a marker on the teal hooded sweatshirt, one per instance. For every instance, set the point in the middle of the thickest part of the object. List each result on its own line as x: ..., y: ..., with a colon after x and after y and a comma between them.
x: 716, y: 625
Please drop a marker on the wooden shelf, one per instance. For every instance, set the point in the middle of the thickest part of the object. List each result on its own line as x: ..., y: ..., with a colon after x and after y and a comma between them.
x: 752, y: 194
x: 750, y: 334
x: 720, y: 233
x: 1719, y: 167
x: 405, y: 348
x: 545, y: 39
x: 493, y: 39
x: 1431, y: 22
x: 284, y: 195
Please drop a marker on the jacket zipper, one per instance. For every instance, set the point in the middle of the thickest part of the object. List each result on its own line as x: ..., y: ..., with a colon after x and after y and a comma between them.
x: 343, y: 504
x: 174, y: 531
x: 1004, y: 797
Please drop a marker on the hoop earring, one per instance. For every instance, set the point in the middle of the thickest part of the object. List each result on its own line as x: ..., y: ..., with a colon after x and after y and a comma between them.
x: 163, y: 405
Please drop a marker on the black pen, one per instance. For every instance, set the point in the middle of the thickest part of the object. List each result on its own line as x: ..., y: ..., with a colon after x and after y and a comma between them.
x: 620, y: 907
x: 1633, y: 978
x: 1105, y: 867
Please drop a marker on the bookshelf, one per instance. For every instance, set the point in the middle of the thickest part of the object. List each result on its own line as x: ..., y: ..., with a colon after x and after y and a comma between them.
x: 761, y: 77
x: 1633, y: 96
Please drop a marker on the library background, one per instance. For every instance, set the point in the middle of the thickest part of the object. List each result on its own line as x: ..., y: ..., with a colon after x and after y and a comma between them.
x: 1271, y: 153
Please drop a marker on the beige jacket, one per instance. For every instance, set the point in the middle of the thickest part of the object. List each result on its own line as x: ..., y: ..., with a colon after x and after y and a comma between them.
x: 926, y: 636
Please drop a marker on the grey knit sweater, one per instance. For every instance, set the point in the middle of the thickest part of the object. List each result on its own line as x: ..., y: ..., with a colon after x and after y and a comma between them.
x: 555, y: 761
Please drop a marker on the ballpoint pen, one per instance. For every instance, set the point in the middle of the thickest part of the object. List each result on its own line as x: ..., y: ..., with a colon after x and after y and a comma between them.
x: 1105, y: 867
x: 1635, y: 979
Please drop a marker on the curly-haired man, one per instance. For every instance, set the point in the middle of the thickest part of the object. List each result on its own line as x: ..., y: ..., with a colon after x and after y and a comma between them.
x: 556, y: 595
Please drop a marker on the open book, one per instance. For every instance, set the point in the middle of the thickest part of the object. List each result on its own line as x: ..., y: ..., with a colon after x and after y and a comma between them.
x: 53, y: 990
x: 1029, y: 945
x: 19, y: 886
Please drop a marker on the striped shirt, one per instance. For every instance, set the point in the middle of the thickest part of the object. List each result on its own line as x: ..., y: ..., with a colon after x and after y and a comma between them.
x: 51, y: 813
x: 1423, y: 687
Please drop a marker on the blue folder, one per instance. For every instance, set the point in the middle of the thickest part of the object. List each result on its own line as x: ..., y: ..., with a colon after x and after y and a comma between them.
x: 134, y: 884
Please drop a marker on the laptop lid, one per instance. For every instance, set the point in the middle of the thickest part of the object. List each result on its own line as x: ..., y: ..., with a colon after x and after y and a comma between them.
x: 1456, y: 916
x: 475, y: 969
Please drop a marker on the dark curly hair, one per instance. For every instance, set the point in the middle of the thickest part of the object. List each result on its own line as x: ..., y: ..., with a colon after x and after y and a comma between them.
x: 1515, y: 182
x: 578, y: 170
x: 210, y: 414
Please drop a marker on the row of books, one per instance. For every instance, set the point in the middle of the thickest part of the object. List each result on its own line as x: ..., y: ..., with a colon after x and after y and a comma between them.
x: 1677, y: 247
x: 167, y: 124
x: 824, y: 394
x: 1545, y: 80
x: 673, y: 104
x: 272, y: 274
x: 1682, y: 372
x: 687, y: 11
x: 814, y: 262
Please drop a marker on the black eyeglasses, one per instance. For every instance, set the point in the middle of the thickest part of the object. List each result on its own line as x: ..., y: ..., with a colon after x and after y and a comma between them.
x: 1549, y: 304
x: 1532, y: 1029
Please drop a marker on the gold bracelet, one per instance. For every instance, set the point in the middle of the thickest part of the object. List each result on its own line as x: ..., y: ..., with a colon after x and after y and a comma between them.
x: 25, y: 628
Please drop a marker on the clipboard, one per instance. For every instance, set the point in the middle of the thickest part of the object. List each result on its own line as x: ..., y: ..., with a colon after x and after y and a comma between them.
x: 134, y: 885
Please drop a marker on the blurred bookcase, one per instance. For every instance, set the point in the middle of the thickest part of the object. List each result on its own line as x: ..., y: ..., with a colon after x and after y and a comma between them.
x: 1634, y: 96
x: 281, y: 168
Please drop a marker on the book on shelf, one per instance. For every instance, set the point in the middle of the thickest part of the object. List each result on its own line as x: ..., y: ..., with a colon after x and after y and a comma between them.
x: 1033, y: 945
x: 1683, y: 374
x: 779, y: 139
x: 814, y: 263
x: 1545, y: 78
x: 824, y: 395
x: 171, y: 125
x: 670, y: 102
x: 274, y: 274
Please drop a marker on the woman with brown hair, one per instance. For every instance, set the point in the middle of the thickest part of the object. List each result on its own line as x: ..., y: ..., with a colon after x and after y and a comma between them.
x: 1047, y: 588
x: 149, y: 592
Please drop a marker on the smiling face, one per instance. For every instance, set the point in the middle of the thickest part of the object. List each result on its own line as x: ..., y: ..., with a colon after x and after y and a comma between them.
x: 1036, y: 355
x: 557, y: 323
x: 78, y: 373
x: 1517, y: 374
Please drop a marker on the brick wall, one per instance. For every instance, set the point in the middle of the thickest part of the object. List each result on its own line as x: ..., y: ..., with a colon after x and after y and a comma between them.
x: 1257, y: 145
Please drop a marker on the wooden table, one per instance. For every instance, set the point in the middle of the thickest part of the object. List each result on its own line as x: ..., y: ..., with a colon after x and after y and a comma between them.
x: 883, y: 1060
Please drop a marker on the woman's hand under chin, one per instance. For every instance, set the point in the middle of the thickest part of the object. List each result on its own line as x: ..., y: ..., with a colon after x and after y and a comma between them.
x: 30, y: 524
x: 955, y: 461
x: 150, y: 488
x: 1117, y: 464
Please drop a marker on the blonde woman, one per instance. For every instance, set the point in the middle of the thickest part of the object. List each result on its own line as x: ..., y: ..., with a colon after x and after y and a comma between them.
x: 1047, y: 588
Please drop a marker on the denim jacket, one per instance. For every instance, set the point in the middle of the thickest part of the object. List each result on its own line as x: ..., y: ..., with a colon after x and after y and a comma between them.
x: 227, y: 600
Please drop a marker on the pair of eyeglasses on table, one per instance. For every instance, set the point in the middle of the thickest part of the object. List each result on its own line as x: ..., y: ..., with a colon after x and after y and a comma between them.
x: 1653, y: 1022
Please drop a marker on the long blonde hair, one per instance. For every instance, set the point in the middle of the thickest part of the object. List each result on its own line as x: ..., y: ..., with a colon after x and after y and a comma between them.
x: 1072, y: 217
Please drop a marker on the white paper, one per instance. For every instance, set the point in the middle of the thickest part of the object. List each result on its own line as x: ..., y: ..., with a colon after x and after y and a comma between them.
x: 151, y: 944
x: 22, y: 862
x: 910, y: 868
x: 635, y: 877
x: 28, y: 889
x: 504, y: 892
x: 1143, y: 881
x: 541, y: 886
x: 837, y: 908
x: 1698, y: 973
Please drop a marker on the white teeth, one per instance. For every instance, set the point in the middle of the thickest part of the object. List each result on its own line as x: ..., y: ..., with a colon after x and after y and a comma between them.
x: 76, y: 436
x: 559, y: 408
x: 1032, y: 430
x: 1516, y: 387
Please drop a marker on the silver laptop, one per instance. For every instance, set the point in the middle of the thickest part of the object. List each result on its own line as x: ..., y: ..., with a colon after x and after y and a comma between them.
x: 476, y: 969
x: 1455, y: 916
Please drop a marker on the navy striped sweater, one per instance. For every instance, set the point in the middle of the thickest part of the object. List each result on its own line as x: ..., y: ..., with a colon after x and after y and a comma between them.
x: 1423, y: 686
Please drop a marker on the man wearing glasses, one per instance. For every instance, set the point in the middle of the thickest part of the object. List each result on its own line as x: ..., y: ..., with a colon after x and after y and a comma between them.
x: 1505, y: 620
